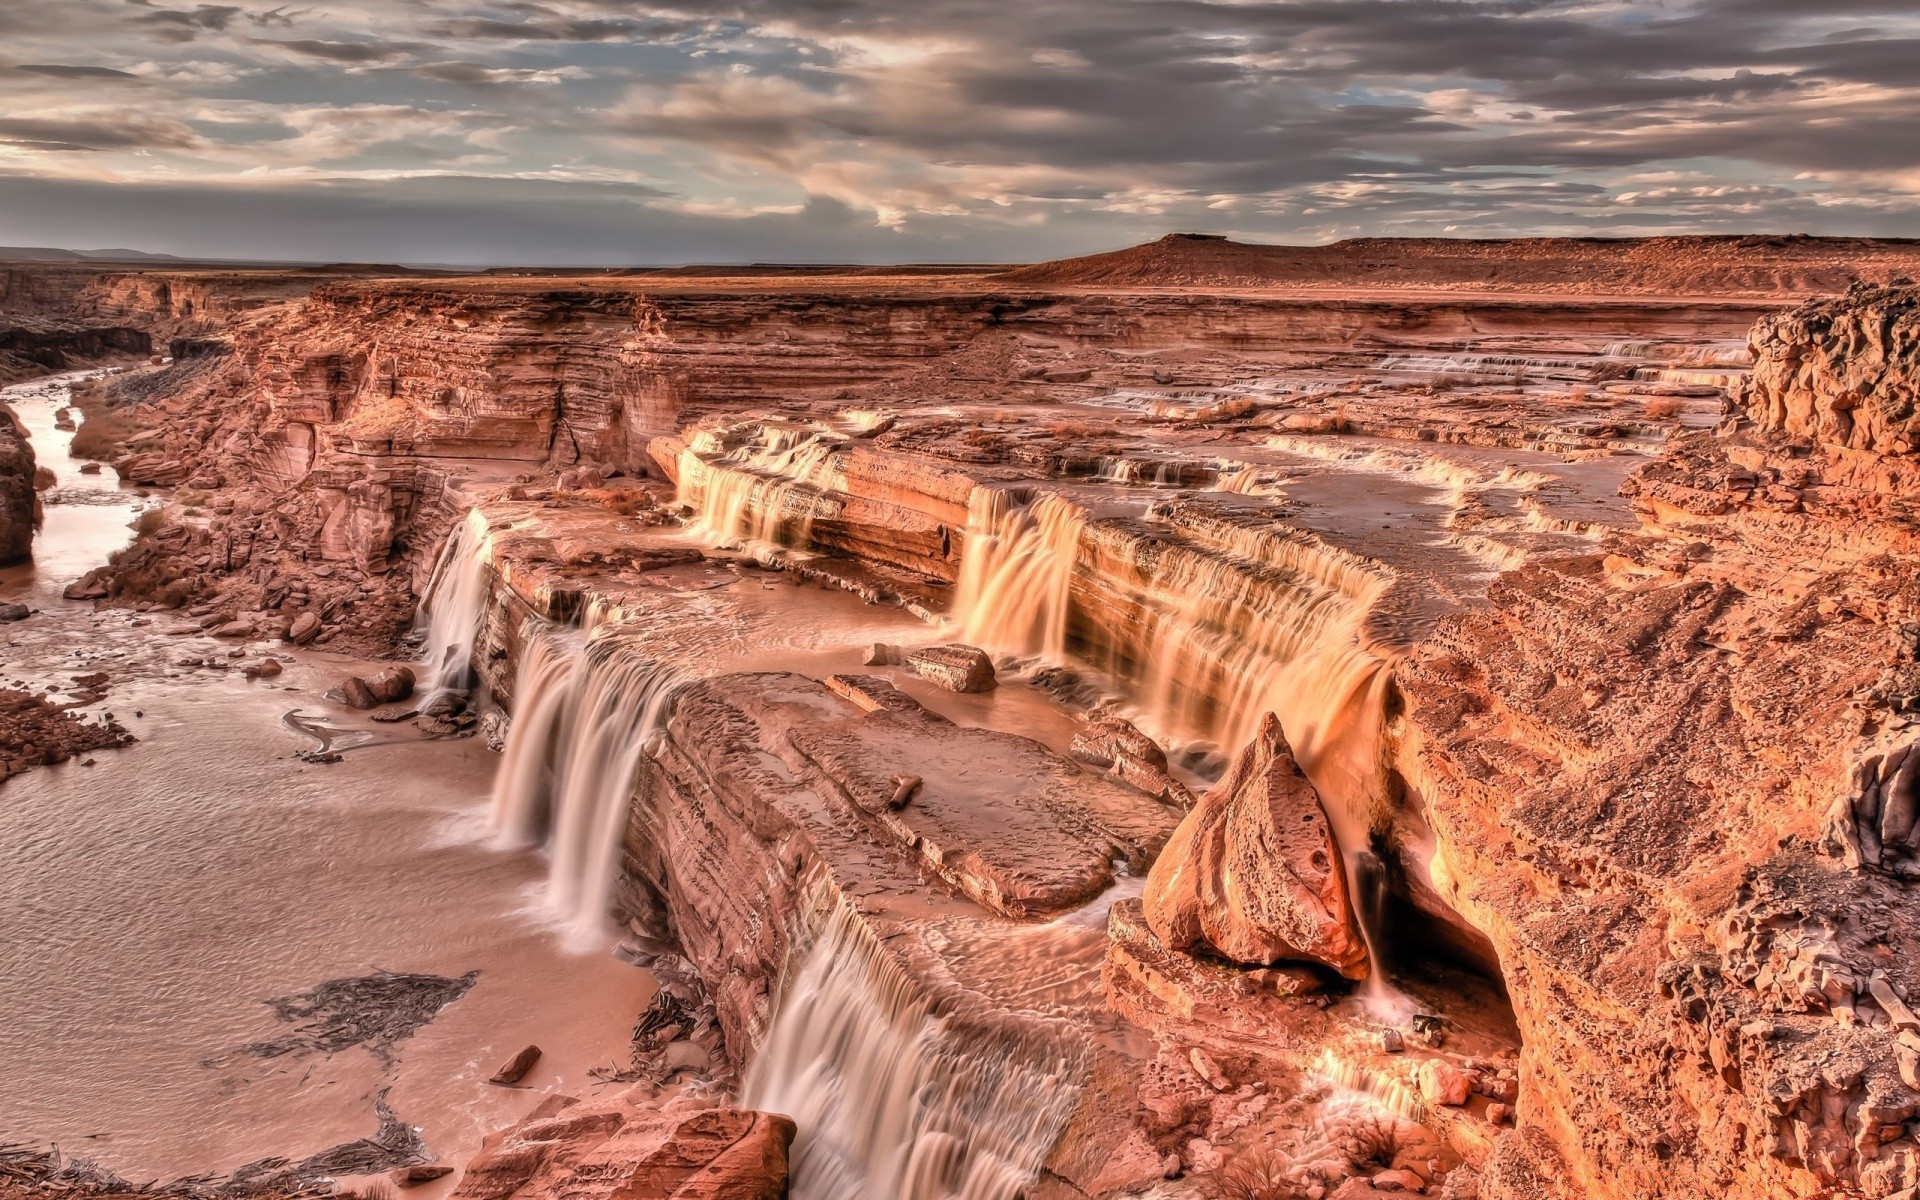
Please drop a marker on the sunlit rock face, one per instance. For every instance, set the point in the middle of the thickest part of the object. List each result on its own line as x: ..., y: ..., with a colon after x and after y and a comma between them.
x: 1667, y: 782
x: 1253, y: 874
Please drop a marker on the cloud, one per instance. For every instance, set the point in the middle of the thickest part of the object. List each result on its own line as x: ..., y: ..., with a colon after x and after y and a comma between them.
x: 98, y: 131
x: 971, y: 123
x: 345, y: 52
x: 64, y: 71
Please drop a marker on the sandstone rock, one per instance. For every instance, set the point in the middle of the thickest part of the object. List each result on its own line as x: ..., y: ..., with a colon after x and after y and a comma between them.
x: 266, y: 668
x: 358, y: 693
x: 515, y: 1069
x: 956, y: 668
x: 1442, y: 1083
x: 44, y: 478
x: 1398, y: 1181
x: 304, y: 629
x: 1841, y: 371
x: 90, y: 468
x: 1115, y: 744
x: 19, y: 504
x: 233, y: 629
x: 394, y: 683
x: 615, y: 1150
x: 1253, y: 874
x: 91, y: 586
x: 9, y: 611
x: 880, y: 654
x: 416, y: 1174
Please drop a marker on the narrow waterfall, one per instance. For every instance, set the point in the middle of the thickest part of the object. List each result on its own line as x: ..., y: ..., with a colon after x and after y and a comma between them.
x: 893, y: 1100
x: 1016, y: 572
x: 452, y: 605
x: 587, y: 711
x: 746, y: 494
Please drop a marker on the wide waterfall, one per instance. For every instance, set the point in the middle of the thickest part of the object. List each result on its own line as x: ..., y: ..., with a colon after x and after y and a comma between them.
x: 745, y: 494
x: 452, y: 605
x: 1016, y: 572
x: 893, y: 1100
x: 588, y: 707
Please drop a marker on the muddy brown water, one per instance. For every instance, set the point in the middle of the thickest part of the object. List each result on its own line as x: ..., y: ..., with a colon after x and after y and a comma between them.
x: 156, y: 901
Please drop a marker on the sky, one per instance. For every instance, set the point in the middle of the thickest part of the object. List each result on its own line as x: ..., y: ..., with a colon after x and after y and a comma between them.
x: 589, y: 132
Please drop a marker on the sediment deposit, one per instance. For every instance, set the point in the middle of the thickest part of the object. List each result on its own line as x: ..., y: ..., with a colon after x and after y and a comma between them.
x: 1107, y: 727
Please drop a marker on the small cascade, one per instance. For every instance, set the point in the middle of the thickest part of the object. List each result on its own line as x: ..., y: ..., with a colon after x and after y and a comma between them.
x: 1243, y: 481
x: 744, y: 494
x: 1016, y: 572
x: 587, y: 711
x: 895, y: 1101
x: 452, y: 606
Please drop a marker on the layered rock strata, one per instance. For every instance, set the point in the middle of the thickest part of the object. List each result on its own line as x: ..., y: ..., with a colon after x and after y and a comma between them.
x: 1659, y: 780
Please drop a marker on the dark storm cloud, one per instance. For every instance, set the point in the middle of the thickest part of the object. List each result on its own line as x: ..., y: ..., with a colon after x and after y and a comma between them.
x: 537, y: 30
x: 184, y: 25
x: 64, y: 71
x: 346, y: 52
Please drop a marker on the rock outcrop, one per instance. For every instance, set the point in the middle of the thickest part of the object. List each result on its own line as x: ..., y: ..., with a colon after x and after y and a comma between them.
x: 1844, y: 374
x: 633, y: 1147
x: 19, y: 499
x: 1666, y: 781
x: 1253, y: 874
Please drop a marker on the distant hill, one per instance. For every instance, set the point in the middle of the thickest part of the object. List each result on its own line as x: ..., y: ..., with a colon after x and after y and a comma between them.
x: 1762, y: 263
x: 52, y: 254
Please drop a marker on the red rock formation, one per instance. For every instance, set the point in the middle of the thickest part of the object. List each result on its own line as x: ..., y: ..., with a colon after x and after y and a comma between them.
x: 633, y: 1148
x: 19, y: 500
x: 1658, y: 783
x: 1253, y: 873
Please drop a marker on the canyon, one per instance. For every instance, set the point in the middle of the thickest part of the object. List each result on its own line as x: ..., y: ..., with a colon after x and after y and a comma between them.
x: 1203, y: 721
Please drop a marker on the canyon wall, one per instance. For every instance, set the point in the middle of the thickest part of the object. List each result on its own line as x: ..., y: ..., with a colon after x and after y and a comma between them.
x: 1663, y: 784
x: 1665, y: 781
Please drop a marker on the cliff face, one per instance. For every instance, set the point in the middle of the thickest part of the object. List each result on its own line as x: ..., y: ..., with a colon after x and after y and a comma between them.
x: 19, y: 502
x: 1666, y: 781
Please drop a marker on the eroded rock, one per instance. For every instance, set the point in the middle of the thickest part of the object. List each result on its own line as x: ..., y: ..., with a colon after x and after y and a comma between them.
x: 1253, y: 873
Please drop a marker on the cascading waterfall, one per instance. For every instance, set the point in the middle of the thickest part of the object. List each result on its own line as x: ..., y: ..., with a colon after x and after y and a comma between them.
x: 1231, y: 621
x: 743, y: 495
x: 588, y: 709
x: 893, y: 1100
x: 1016, y: 572
x: 452, y: 606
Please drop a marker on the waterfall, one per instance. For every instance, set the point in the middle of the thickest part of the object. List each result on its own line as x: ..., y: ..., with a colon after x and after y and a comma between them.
x: 452, y: 606
x: 587, y: 711
x: 1016, y: 572
x: 744, y: 494
x: 895, y: 1101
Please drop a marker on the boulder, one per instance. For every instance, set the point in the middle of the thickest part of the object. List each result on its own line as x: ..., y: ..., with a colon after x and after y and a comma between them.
x: 371, y: 691
x: 1443, y: 1084
x: 954, y: 667
x: 91, y: 586
x: 1116, y: 745
x: 304, y: 629
x: 617, y: 1150
x: 392, y: 684
x: 515, y: 1069
x: 1253, y: 873
x: 9, y: 611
